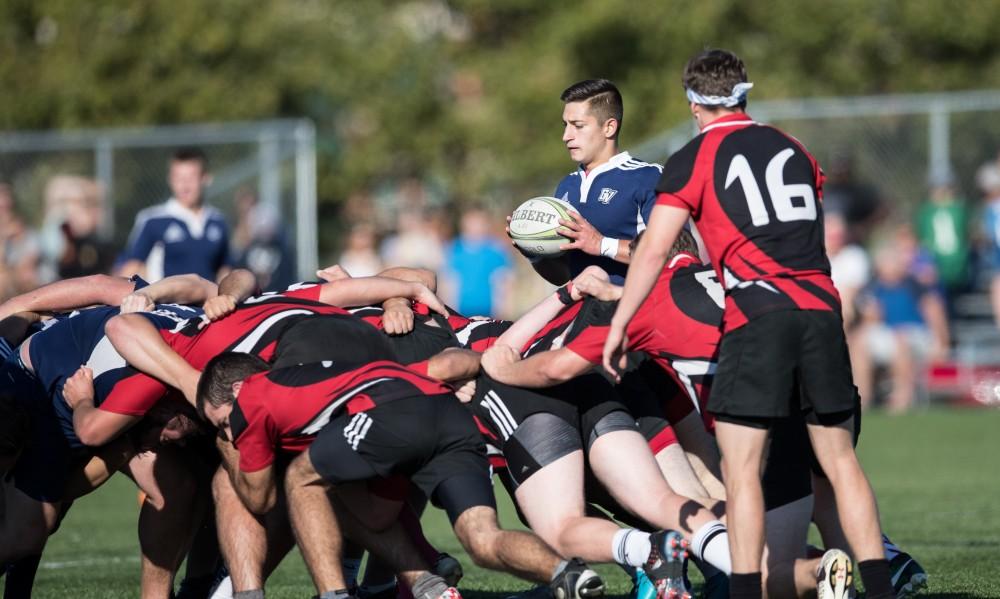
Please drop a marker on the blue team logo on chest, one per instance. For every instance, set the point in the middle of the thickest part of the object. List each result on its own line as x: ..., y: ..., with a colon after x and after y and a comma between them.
x: 606, y: 194
x: 174, y: 234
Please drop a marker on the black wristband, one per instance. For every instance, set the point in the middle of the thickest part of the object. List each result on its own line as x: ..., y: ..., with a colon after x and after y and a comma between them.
x: 564, y: 295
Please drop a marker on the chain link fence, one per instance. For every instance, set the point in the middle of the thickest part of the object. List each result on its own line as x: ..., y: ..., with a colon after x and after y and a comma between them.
x: 109, y: 175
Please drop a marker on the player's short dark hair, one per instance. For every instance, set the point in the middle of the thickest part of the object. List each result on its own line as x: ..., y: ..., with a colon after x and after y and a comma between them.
x: 216, y: 384
x: 15, y: 426
x: 602, y: 97
x: 715, y: 72
x: 191, y: 154
x: 684, y: 244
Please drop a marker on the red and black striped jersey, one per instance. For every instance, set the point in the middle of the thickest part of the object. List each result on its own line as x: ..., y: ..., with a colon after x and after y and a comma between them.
x: 677, y: 326
x: 254, y: 328
x: 284, y: 409
x: 755, y: 195
x: 553, y: 334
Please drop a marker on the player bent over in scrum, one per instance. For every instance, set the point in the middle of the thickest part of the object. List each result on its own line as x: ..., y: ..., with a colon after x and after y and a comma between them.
x: 402, y: 423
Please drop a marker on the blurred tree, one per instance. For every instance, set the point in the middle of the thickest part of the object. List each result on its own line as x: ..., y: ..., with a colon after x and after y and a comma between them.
x: 464, y: 92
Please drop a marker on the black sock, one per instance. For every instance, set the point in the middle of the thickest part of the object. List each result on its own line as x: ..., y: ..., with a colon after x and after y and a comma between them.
x: 21, y: 577
x: 877, y: 578
x: 745, y: 586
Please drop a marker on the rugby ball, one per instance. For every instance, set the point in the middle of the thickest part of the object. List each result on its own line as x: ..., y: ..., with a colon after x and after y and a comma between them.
x: 534, y: 226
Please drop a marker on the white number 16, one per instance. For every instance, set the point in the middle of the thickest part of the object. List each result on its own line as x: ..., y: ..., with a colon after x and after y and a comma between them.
x: 781, y: 193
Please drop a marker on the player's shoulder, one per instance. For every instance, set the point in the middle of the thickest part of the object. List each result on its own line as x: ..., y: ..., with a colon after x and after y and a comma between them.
x: 640, y: 167
x: 153, y: 215
x: 214, y: 214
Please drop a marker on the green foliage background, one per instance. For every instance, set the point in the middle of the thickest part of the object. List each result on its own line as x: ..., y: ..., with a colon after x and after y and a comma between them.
x: 463, y: 92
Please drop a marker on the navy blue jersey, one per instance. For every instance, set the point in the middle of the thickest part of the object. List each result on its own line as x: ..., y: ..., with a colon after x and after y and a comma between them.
x: 616, y: 198
x: 58, y: 352
x: 172, y: 240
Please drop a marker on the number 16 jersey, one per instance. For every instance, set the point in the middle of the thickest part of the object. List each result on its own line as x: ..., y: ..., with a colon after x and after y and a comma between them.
x: 756, y: 196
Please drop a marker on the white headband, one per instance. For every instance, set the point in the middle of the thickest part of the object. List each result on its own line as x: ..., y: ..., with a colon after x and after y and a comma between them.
x: 739, y: 94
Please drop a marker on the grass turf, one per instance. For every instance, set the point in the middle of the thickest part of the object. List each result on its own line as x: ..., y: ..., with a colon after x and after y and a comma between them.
x: 935, y: 473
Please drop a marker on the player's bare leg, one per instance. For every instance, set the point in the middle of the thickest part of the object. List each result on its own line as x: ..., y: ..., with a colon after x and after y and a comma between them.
x: 834, y: 448
x: 520, y: 553
x: 252, y: 546
x: 703, y: 454
x: 785, y: 569
x: 552, y: 502
x: 677, y: 471
x: 742, y: 449
x: 167, y: 518
x: 315, y: 525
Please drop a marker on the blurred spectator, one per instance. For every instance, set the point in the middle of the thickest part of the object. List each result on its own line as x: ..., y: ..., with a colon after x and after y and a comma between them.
x: 477, y: 267
x: 74, y: 210
x: 359, y: 257
x: 849, y: 264
x: 19, y: 248
x: 988, y: 177
x: 991, y: 253
x: 858, y: 202
x: 943, y: 229
x: 903, y: 326
x: 181, y: 235
x: 918, y: 262
x: 416, y: 242
x: 260, y: 244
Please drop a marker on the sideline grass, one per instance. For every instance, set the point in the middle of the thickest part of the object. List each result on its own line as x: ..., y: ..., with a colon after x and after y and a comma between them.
x: 935, y: 472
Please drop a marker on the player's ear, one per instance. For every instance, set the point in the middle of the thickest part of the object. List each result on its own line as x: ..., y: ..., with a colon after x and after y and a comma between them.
x: 236, y: 388
x: 611, y: 128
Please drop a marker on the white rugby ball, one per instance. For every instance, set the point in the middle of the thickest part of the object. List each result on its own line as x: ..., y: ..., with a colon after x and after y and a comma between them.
x: 534, y: 226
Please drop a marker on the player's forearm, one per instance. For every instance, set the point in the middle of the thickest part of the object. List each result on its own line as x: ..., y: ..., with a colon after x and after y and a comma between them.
x: 365, y: 291
x: 525, y: 327
x: 96, y: 427
x: 239, y: 283
x: 181, y: 289
x: 453, y: 364
x: 415, y: 275
x: 70, y: 294
x: 531, y: 373
x: 144, y: 349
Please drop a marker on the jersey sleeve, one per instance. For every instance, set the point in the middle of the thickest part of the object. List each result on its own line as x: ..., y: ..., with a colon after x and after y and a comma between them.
x: 257, y: 438
x: 680, y: 185
x: 134, y: 395
x: 141, y: 240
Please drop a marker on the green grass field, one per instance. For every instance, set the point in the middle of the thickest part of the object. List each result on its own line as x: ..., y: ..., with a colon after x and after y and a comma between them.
x: 936, y: 474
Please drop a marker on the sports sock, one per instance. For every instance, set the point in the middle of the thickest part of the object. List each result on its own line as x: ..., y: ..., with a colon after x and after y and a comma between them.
x: 630, y: 547
x: 351, y: 567
x: 877, y: 579
x: 891, y: 549
x: 335, y: 594
x: 745, y: 586
x: 710, y: 543
x: 429, y: 586
x: 21, y: 577
x: 254, y: 594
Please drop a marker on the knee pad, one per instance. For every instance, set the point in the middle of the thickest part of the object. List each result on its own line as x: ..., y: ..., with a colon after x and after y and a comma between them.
x: 540, y: 439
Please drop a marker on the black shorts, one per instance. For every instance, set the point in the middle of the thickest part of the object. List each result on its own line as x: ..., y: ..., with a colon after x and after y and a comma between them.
x: 336, y: 337
x: 430, y: 439
x: 502, y: 408
x: 781, y: 356
x: 424, y: 341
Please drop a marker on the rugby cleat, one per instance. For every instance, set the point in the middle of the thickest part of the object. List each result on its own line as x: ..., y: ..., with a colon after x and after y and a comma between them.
x: 450, y: 593
x: 642, y: 586
x: 908, y: 577
x: 835, y: 576
x: 448, y: 568
x: 577, y: 581
x: 665, y: 566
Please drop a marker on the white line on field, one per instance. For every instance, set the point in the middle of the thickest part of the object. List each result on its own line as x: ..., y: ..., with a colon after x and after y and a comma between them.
x: 79, y: 563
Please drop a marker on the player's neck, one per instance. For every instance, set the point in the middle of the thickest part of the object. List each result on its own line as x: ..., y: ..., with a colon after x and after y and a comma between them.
x: 706, y: 117
x: 605, y: 156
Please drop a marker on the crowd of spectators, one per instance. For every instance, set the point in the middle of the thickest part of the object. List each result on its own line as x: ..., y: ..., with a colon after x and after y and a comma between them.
x: 902, y: 276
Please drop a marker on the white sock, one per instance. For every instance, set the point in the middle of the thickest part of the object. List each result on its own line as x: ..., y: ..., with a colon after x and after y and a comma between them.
x: 710, y: 543
x: 891, y: 549
x: 630, y: 547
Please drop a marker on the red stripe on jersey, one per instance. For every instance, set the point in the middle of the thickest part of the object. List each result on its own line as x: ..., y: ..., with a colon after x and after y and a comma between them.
x: 542, y: 340
x: 755, y: 194
x: 285, y: 409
